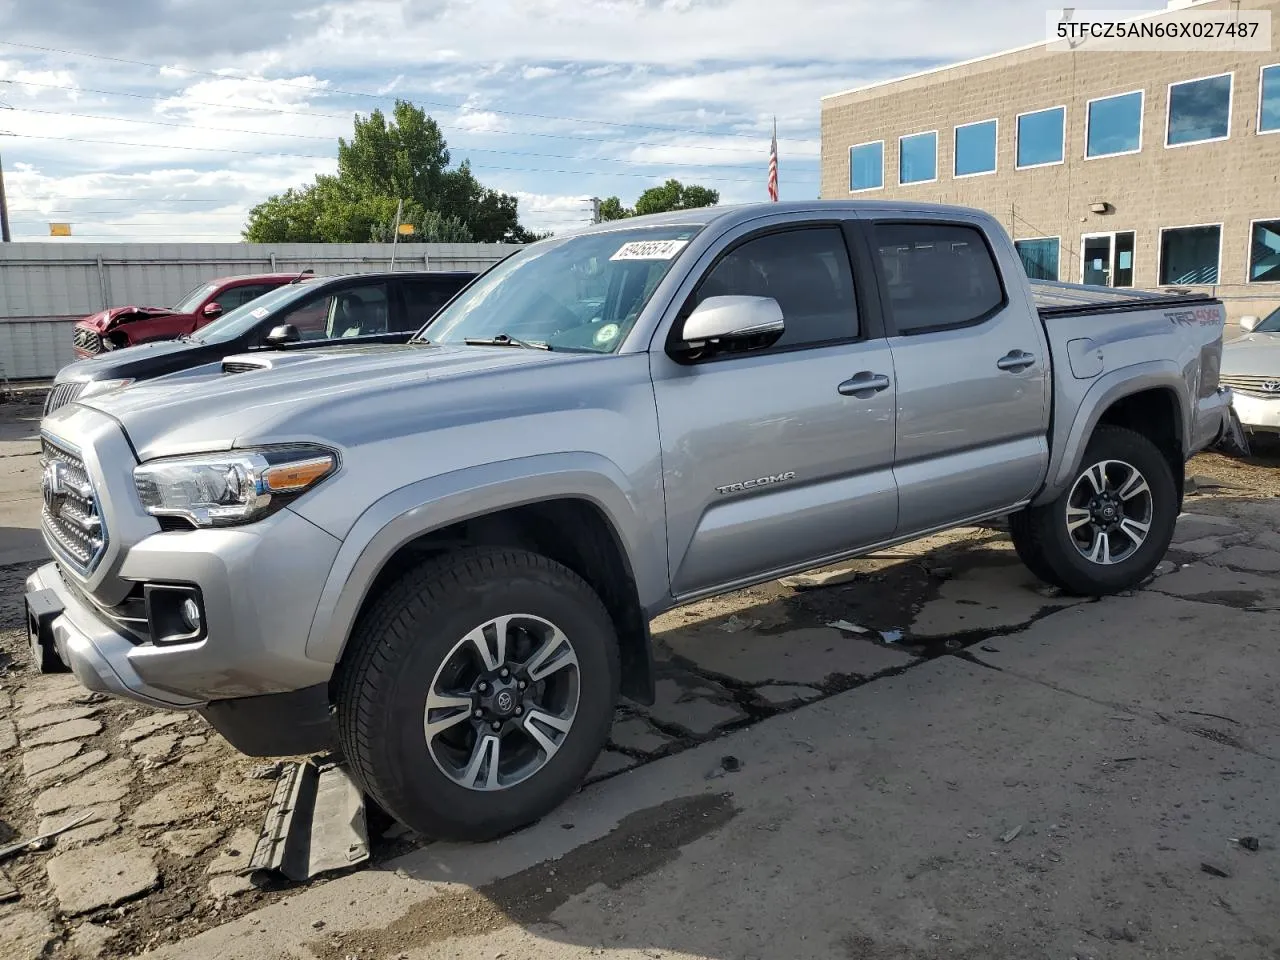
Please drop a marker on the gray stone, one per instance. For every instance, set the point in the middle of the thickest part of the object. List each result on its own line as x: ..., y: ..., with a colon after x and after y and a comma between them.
x: 610, y: 761
x: 152, y: 723
x: 70, y: 768
x: 807, y: 655
x: 690, y: 709
x: 190, y: 743
x: 48, y: 758
x: 174, y: 804
x: 984, y: 598
x: 1249, y: 558
x: 1244, y: 590
x: 62, y: 732
x: 101, y: 875
x: 1194, y: 526
x: 48, y: 718
x: 635, y: 733
x: 234, y: 857
x: 105, y: 784
x: 103, y: 824
x: 8, y: 736
x: 24, y: 935
x: 8, y: 889
x: 779, y: 694
x: 230, y: 885
x: 49, y: 690
x: 192, y: 842
x: 157, y: 746
x: 1202, y: 547
x: 89, y: 940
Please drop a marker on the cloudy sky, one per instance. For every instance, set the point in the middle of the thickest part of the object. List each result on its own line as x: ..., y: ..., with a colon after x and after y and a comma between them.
x: 169, y: 119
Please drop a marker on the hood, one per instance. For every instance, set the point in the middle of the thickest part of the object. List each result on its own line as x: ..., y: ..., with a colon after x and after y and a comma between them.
x: 143, y: 360
x: 117, y: 316
x: 336, y: 396
x: 1253, y: 355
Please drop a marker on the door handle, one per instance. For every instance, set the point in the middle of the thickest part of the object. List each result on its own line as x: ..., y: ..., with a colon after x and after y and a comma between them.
x: 864, y: 384
x: 1016, y: 360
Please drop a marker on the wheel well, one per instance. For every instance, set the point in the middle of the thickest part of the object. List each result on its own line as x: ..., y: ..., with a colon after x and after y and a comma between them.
x: 570, y: 531
x: 1157, y: 416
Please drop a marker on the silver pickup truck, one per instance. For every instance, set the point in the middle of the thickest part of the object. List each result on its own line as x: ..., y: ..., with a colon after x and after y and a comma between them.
x: 442, y: 557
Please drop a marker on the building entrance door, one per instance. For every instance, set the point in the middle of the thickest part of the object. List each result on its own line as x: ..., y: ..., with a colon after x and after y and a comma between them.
x: 1106, y: 259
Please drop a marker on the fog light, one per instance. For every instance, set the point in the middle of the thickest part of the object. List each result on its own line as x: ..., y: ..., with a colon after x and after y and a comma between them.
x: 191, y: 614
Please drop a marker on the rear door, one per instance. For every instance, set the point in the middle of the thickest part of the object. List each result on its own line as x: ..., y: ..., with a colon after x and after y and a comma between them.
x: 776, y: 457
x: 973, y: 373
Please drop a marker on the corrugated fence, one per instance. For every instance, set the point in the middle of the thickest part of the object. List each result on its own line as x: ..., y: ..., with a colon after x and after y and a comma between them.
x: 45, y: 287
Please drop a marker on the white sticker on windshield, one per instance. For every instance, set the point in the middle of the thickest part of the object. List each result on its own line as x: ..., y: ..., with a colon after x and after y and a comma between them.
x: 649, y: 250
x: 605, y: 334
x: 260, y: 312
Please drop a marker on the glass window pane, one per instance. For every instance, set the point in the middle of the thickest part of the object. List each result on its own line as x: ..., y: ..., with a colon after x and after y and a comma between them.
x: 1264, y: 252
x: 1039, y: 257
x: 1123, y: 276
x: 1189, y: 255
x: 975, y: 148
x: 1115, y: 125
x: 866, y: 166
x: 918, y: 158
x: 1040, y: 137
x: 1199, y: 110
x: 937, y: 275
x: 1269, y: 118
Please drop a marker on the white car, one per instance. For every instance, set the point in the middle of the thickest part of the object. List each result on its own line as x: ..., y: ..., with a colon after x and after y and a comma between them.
x: 1251, y: 368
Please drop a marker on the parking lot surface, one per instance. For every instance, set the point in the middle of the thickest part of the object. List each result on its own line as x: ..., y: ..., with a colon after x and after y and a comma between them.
x: 924, y: 753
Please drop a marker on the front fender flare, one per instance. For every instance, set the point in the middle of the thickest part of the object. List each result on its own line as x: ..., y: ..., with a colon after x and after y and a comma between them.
x: 426, y: 505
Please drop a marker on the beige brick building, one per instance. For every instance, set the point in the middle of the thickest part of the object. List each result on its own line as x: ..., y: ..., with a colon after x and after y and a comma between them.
x: 1125, y: 168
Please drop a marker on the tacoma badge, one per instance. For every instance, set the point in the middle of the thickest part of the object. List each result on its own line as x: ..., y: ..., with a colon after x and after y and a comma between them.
x: 758, y: 482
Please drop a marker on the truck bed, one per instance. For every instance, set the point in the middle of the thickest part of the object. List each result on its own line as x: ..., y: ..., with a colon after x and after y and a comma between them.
x: 1056, y: 299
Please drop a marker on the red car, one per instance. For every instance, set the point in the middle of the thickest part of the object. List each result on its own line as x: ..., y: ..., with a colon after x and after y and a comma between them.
x: 127, y: 326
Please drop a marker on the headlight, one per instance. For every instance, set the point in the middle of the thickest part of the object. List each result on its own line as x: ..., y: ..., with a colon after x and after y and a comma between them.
x: 223, y: 489
x: 95, y: 387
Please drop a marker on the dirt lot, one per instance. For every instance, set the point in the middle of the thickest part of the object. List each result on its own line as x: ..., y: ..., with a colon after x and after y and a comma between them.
x: 175, y: 810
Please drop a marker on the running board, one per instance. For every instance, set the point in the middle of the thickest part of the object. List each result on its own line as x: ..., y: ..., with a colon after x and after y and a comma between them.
x: 315, y: 823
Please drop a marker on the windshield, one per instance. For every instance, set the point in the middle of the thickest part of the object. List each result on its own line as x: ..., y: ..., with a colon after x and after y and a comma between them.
x: 576, y: 293
x: 1271, y: 324
x: 244, y: 318
x: 193, y: 299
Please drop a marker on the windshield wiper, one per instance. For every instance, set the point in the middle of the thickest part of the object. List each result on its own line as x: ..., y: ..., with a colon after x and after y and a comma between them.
x: 503, y: 340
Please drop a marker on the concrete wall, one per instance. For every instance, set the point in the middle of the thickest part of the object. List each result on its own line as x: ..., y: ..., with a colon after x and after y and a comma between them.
x: 45, y: 287
x: 1232, y: 182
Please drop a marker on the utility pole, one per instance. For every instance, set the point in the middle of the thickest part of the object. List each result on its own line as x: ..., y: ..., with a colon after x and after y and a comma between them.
x: 395, y: 233
x: 595, y: 209
x: 5, y: 236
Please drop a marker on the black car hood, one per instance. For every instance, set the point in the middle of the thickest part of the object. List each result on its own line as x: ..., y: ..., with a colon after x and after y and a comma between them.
x: 146, y: 360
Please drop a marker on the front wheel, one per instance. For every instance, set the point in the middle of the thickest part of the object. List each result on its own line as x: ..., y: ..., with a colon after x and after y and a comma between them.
x: 477, y: 692
x: 1113, y: 524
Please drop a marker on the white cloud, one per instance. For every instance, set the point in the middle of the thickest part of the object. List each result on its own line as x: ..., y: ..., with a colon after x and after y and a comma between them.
x: 539, y: 73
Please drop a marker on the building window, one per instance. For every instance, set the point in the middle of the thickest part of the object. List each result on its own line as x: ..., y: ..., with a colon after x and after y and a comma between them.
x: 1199, y: 111
x: 975, y: 148
x: 866, y: 166
x: 1264, y: 252
x: 1114, y: 125
x: 1040, y: 137
x: 1039, y: 257
x: 1189, y: 255
x: 1269, y: 100
x: 918, y: 158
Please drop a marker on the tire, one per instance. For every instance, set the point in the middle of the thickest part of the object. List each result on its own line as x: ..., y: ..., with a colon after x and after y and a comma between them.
x: 1080, y: 562
x: 419, y: 636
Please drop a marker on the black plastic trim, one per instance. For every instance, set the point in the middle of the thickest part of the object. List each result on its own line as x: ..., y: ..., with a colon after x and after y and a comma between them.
x: 275, y: 724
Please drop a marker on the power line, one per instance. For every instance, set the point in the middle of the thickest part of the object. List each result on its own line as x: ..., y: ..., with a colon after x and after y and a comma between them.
x: 334, y: 91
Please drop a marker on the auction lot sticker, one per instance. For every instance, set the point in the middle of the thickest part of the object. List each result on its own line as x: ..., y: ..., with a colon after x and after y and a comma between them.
x: 649, y: 250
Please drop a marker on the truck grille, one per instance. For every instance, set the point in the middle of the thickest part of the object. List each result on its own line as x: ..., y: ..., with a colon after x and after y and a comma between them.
x: 90, y: 341
x: 70, y: 513
x: 61, y: 395
x: 1267, y: 388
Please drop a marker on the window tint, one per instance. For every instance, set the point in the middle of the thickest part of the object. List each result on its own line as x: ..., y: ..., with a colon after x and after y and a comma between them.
x: 235, y: 297
x: 1264, y: 252
x: 1040, y: 137
x: 975, y: 148
x: 806, y: 271
x: 918, y: 158
x: 866, y: 166
x: 1199, y: 110
x: 1039, y: 257
x: 1189, y: 255
x: 937, y: 275
x: 351, y: 312
x: 1114, y: 125
x: 1269, y: 110
x: 423, y: 298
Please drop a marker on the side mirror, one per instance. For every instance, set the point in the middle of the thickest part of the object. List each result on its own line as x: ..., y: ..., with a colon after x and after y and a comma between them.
x: 1250, y: 323
x: 285, y: 333
x: 733, y: 318
x: 211, y: 310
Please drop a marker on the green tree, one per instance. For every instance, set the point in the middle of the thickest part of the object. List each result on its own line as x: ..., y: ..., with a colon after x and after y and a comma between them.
x: 386, y: 161
x: 611, y: 208
x: 674, y: 195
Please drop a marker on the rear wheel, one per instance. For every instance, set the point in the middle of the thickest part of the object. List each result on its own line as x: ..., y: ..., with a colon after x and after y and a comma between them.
x: 477, y: 692
x: 1111, y: 526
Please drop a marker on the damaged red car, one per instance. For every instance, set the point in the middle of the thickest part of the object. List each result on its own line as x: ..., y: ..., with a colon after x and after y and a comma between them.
x: 128, y: 326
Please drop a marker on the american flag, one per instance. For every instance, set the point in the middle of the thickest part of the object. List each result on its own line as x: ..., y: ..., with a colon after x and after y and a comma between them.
x: 773, y: 164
